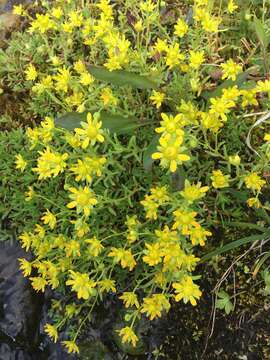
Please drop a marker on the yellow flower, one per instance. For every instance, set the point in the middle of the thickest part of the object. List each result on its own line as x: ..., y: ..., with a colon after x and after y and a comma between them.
x: 196, y: 58
x: 72, y: 248
x: 193, y: 192
x: 153, y: 254
x: 38, y: 283
x: 71, y: 346
x: 166, y: 235
x: 107, y: 285
x: 232, y: 6
x: 31, y: 73
x: 83, y: 199
x: 18, y: 10
x: 57, y: 12
x: 46, y: 83
x: 154, y: 305
x: 161, y: 46
x: 51, y: 331
x: 90, y: 131
x: 86, y: 79
x: 171, y: 125
x: 173, y: 56
x: 210, y: 23
x: 29, y: 194
x: 128, y: 335
x: 138, y: 26
x: 50, y: 164
x: 254, y: 182
x: 198, y: 235
x: 184, y: 220
x: 81, y: 284
x: 235, y: 160
x: 20, y: 162
x: 42, y: 23
x: 211, y: 121
x: 94, y: 246
x: 263, y: 86
x: 26, y: 240
x: 130, y: 299
x: 62, y: 80
x: 157, y: 98
x: 230, y: 69
x: 254, y: 202
x: 220, y: 107
x: 150, y: 207
x: 123, y: 256
x: 266, y: 137
x: 147, y: 6
x: 79, y: 67
x: 187, y: 290
x: 170, y: 153
x: 81, y: 227
x: 219, y: 180
x: 249, y: 97
x: 159, y: 194
x: 49, y: 219
x: 181, y: 28
x: 25, y: 266
x: 75, y: 18
x: 107, y: 97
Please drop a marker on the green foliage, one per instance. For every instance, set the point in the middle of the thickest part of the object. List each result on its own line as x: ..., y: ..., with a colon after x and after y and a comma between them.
x: 224, y: 302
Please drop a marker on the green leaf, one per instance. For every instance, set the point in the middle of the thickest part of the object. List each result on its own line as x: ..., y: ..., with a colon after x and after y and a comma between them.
x: 147, y: 156
x: 224, y: 302
x: 261, y: 33
x: 122, y: 78
x: 115, y: 123
x: 235, y: 244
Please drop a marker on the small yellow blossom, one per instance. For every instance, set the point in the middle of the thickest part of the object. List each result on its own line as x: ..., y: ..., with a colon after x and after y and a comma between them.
x: 187, y: 290
x: 25, y: 266
x: 107, y: 285
x: 38, y: 283
x: 184, y: 220
x: 71, y: 347
x: 91, y: 132
x: 130, y: 299
x: 123, y: 256
x: 154, y: 305
x: 254, y: 182
x: 29, y: 194
x: 20, y: 162
x: 51, y: 331
x: 181, y: 28
x: 86, y: 79
x: 128, y: 335
x: 254, y: 202
x: 235, y: 160
x: 193, y: 192
x: 150, y: 207
x: 266, y: 137
x: 81, y: 284
x: 94, y: 246
x: 157, y: 98
x: 153, y: 254
x: 230, y: 69
x: 50, y: 163
x: 196, y: 59
x: 219, y: 180
x: 170, y: 153
x: 31, y: 73
x: 232, y: 6
x: 83, y: 199
x: 107, y: 97
x: 62, y: 80
x: 49, y: 219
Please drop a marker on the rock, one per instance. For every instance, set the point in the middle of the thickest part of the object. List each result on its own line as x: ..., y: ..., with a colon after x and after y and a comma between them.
x: 20, y: 305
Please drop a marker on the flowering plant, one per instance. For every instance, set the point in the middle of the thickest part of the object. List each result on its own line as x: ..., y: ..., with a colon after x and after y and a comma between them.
x: 112, y: 212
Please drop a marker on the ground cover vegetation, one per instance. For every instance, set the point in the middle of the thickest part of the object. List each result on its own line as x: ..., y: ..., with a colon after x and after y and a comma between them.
x: 143, y: 134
